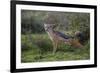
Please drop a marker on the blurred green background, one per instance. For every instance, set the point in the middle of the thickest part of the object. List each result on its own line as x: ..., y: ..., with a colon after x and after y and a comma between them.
x: 36, y: 45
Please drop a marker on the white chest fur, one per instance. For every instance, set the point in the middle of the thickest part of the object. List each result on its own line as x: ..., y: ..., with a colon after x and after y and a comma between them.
x: 50, y: 35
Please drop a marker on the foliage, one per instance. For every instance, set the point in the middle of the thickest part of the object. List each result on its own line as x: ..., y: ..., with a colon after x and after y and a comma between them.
x: 32, y: 21
x: 41, y: 50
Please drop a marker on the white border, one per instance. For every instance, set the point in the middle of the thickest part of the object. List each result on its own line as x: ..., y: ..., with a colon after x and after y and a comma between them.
x: 57, y: 63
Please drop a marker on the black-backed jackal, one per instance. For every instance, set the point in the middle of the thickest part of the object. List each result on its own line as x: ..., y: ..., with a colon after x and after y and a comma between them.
x: 58, y: 37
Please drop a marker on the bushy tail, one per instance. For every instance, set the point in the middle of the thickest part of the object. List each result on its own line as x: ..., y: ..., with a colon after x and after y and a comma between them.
x: 82, y: 36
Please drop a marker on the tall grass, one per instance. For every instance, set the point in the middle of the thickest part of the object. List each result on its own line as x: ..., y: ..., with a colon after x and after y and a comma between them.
x: 38, y: 48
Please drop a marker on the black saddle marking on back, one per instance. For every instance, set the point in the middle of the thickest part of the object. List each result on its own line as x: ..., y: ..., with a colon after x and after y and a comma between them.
x: 63, y: 35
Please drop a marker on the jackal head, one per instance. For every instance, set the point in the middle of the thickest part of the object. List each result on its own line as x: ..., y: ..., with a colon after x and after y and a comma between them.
x: 48, y: 27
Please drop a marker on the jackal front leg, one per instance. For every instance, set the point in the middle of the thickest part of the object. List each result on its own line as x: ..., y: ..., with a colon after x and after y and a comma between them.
x: 54, y: 47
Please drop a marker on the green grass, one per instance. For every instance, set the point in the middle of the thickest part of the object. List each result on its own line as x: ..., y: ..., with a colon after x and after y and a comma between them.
x: 38, y: 48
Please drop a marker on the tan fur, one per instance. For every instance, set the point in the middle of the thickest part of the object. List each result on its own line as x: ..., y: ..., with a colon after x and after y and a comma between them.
x: 76, y: 43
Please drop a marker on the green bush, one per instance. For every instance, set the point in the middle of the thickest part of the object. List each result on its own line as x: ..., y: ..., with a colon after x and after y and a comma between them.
x: 39, y: 48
